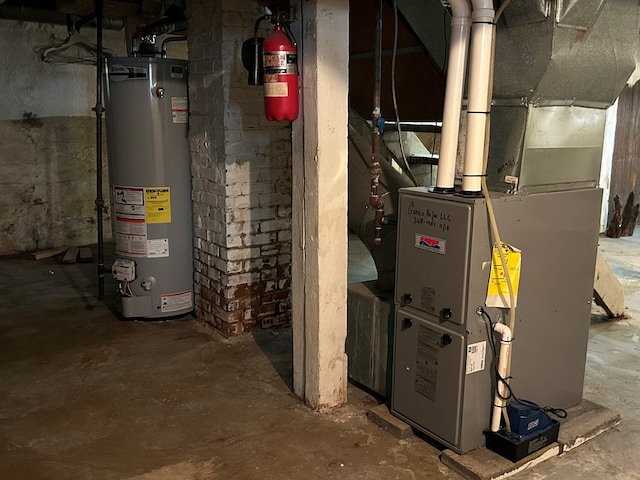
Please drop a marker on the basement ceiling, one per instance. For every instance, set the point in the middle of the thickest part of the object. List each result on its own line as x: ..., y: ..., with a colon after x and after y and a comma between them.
x: 59, y: 11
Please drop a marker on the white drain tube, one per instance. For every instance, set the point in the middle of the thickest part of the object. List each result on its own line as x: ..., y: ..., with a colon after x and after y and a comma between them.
x: 458, y: 50
x: 502, y: 392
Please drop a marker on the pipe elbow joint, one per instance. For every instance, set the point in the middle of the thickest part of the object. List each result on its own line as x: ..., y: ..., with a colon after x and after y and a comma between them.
x: 504, y: 331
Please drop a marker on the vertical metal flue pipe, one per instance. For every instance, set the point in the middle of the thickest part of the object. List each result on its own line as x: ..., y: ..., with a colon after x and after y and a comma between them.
x: 479, y: 105
x: 457, y: 66
x: 374, y: 197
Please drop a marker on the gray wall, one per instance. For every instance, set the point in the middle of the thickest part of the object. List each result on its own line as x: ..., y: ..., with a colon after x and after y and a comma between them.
x: 47, y: 142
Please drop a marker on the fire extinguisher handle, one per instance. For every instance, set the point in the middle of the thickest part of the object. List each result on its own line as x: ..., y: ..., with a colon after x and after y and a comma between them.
x: 288, y: 33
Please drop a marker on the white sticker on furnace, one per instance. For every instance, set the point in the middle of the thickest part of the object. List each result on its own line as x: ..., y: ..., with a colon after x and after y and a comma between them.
x: 476, y: 353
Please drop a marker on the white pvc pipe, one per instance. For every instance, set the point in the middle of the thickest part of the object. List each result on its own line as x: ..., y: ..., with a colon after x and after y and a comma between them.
x: 503, y: 370
x: 479, y: 94
x: 460, y: 32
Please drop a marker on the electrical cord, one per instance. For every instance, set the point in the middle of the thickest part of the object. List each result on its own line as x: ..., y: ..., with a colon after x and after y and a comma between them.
x: 125, y: 289
x: 556, y: 411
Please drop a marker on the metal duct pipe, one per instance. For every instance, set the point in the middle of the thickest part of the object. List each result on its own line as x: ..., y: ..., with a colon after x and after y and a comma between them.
x: 479, y: 105
x: 561, y: 53
x: 460, y: 31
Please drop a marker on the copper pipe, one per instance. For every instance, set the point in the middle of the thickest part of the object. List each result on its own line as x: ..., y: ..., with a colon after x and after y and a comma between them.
x: 374, y: 198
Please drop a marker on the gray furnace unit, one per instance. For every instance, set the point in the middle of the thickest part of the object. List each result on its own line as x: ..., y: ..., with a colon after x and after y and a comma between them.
x: 443, y: 382
x: 150, y: 176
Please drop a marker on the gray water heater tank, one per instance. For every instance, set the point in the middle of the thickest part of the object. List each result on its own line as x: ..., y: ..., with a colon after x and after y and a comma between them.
x: 149, y: 172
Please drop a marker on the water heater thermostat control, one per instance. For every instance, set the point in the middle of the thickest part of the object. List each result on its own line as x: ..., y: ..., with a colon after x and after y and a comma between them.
x: 124, y: 270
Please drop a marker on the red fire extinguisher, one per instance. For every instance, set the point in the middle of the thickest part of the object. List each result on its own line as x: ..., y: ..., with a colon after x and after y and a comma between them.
x: 280, y: 66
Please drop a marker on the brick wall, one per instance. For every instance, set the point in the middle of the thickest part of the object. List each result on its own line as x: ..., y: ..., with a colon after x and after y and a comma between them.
x: 241, y: 168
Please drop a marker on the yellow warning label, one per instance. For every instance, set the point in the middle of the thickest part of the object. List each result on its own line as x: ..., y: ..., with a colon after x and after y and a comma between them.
x: 158, y: 204
x: 498, y: 290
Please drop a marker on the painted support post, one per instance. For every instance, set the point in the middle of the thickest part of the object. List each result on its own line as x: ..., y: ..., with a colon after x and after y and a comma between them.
x: 319, y: 236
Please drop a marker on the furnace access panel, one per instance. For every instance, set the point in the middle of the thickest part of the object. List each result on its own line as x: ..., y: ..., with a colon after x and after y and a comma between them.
x: 433, y: 256
x: 441, y: 379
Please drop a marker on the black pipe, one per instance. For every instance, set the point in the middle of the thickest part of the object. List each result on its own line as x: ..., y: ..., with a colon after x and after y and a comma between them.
x: 255, y: 70
x: 163, y: 50
x: 99, y: 110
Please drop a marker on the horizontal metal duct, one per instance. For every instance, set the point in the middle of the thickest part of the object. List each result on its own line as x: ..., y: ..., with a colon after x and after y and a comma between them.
x: 566, y: 52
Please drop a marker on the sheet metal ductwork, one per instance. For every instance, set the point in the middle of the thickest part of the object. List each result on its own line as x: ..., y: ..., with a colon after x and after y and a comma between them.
x: 558, y: 65
x: 565, y: 52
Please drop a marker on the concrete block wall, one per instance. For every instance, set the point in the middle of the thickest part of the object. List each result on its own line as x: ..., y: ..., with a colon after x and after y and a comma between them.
x: 241, y: 166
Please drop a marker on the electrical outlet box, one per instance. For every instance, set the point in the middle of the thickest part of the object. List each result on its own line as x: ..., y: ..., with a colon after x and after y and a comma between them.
x: 124, y: 270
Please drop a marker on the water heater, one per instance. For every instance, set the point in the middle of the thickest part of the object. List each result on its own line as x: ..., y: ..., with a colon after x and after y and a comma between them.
x: 150, y: 176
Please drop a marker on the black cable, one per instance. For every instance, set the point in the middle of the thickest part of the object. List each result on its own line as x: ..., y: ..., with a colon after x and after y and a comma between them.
x: 558, y: 412
x: 492, y: 340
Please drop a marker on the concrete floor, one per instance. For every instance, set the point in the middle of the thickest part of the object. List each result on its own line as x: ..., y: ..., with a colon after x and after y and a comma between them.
x: 84, y: 395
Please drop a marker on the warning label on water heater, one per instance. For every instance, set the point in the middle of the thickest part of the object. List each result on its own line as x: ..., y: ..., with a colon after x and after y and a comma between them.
x: 158, y: 204
x: 158, y: 247
x: 134, y: 209
x: 130, y: 221
x: 172, y: 302
x: 179, y: 109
